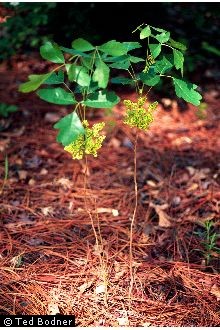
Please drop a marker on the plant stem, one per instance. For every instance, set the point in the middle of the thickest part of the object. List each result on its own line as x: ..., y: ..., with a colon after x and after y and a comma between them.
x: 133, y: 219
x: 163, y: 75
x: 68, y: 87
x: 98, y: 237
x: 167, y: 45
x: 58, y: 67
x: 86, y: 205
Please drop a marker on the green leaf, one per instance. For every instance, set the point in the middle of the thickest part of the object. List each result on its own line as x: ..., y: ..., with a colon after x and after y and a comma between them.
x: 35, y: 80
x: 101, y: 74
x: 130, y: 45
x: 124, y: 59
x: 5, y: 109
x: 82, y: 45
x: 55, y: 78
x: 115, y: 58
x: 56, y: 96
x: 149, y: 78
x: 87, y: 62
x: 51, y: 52
x: 81, y: 90
x: 178, y: 60
x: 124, y: 65
x: 158, y: 29
x: 102, y: 99
x: 135, y: 59
x: 74, y: 52
x: 145, y: 32
x: 163, y: 65
x: 113, y: 48
x: 122, y: 81
x: 78, y: 74
x: 177, y: 44
x: 187, y: 91
x: 163, y: 37
x: 70, y: 128
x: 155, y: 49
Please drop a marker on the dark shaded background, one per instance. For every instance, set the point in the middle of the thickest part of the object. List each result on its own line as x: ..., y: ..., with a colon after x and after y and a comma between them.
x: 195, y: 24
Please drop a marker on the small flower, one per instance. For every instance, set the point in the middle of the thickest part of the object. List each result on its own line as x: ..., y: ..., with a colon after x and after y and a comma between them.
x: 137, y: 115
x: 88, y: 143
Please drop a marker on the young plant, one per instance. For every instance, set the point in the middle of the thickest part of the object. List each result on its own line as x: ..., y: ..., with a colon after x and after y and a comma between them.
x: 6, y: 109
x: 83, y: 75
x: 82, y: 79
x: 209, y: 241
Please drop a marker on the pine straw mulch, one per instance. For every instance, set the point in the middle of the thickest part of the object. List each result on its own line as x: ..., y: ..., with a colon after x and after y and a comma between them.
x: 49, y: 259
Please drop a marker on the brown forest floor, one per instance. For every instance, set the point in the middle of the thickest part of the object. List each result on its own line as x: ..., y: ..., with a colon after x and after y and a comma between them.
x: 49, y: 260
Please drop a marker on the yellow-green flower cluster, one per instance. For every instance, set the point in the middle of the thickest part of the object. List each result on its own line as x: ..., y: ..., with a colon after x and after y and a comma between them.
x: 137, y: 115
x: 87, y: 143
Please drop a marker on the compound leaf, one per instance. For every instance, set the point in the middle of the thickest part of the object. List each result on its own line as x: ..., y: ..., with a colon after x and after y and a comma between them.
x: 123, y: 65
x: 82, y: 45
x: 145, y: 32
x: 163, y: 37
x: 135, y: 59
x: 101, y: 74
x: 87, y: 62
x: 55, y: 78
x: 177, y: 44
x: 78, y: 74
x: 130, y: 45
x: 109, y: 59
x: 178, y: 60
x: 113, y: 48
x: 122, y: 81
x: 187, y: 91
x: 163, y: 65
x: 70, y: 127
x: 35, y: 80
x: 155, y: 49
x: 149, y: 78
x: 56, y: 96
x: 51, y: 52
x: 101, y: 99
x: 74, y: 52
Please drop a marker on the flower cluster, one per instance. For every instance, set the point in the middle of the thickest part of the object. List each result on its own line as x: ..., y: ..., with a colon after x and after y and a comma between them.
x: 137, y: 115
x: 87, y: 143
